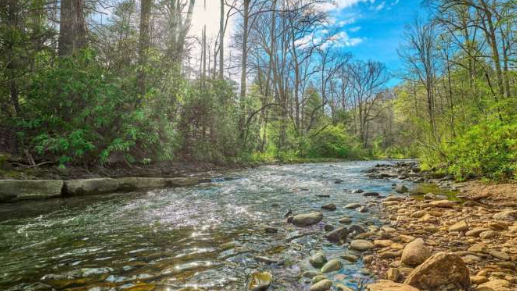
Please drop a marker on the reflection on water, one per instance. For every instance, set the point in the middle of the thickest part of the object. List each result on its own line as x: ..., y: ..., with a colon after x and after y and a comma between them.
x: 209, y: 237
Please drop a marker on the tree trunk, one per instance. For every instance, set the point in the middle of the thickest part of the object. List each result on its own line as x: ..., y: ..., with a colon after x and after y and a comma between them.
x: 72, y: 27
x: 144, y: 44
x: 221, y: 43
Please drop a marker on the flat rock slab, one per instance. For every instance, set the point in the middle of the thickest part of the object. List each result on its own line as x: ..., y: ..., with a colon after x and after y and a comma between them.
x: 90, y: 186
x: 14, y: 190
x: 136, y: 183
x: 385, y: 285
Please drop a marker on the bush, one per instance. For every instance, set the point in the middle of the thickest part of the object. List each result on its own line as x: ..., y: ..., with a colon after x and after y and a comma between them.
x: 332, y: 142
x: 76, y: 112
x: 487, y: 150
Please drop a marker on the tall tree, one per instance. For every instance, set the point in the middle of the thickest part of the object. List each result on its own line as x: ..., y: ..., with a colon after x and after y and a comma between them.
x: 144, y: 43
x: 72, y: 27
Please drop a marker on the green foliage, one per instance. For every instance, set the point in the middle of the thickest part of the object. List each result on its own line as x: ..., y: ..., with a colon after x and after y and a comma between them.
x: 488, y: 149
x: 78, y: 112
x: 332, y: 142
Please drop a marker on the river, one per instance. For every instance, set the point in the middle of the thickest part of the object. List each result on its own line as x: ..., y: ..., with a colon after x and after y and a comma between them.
x: 207, y: 237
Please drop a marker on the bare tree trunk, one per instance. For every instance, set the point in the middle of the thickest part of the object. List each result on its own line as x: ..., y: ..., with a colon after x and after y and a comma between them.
x: 72, y: 28
x: 221, y: 43
x: 144, y: 43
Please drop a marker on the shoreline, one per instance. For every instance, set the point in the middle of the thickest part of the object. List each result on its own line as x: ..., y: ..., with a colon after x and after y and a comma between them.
x: 434, y: 243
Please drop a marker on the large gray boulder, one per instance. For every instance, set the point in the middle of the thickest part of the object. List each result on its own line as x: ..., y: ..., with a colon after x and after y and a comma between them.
x: 13, y: 190
x: 90, y: 186
x: 307, y: 219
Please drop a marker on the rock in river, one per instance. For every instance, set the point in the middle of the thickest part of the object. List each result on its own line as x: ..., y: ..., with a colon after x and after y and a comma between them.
x: 337, y: 235
x: 322, y: 285
x: 415, y: 253
x: 330, y: 207
x: 307, y: 219
x: 352, y: 205
x: 439, y: 270
x: 260, y: 281
x: 332, y: 266
x: 401, y: 189
x: 318, y: 260
x: 361, y: 245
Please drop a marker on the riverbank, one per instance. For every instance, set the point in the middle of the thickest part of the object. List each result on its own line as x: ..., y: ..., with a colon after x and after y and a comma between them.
x: 467, y: 241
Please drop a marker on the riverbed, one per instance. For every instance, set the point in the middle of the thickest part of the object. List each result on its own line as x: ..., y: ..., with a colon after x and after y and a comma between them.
x: 208, y: 237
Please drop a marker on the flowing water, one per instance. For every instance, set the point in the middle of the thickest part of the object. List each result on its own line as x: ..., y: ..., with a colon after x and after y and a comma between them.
x: 207, y: 237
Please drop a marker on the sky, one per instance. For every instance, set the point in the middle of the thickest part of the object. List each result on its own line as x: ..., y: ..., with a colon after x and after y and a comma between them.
x: 369, y: 29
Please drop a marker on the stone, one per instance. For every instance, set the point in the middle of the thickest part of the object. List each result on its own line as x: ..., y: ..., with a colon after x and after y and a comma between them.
x: 415, y: 253
x: 330, y: 207
x: 137, y: 183
x: 90, y: 186
x: 13, y: 190
x: 310, y: 274
x: 382, y: 243
x: 338, y: 235
x: 328, y: 227
x: 183, y: 182
x: 476, y: 231
x: 318, y: 278
x: 471, y: 259
x: 270, y: 229
x: 361, y: 245
x: 362, y: 209
x: 487, y: 234
x: 307, y: 219
x: 499, y: 255
x: 442, y: 204
x: 352, y: 205
x: 401, y: 189
x: 498, y: 225
x: 260, y: 281
x: 441, y: 269
x: 350, y: 257
x: 341, y: 287
x: 371, y: 194
x: 322, y: 285
x: 357, y: 191
x: 506, y: 215
x: 429, y: 196
x: 386, y: 285
x: 459, y: 226
x: 345, y: 220
x: 318, y: 260
x: 393, y: 274
x: 478, y: 279
x: 495, y: 285
x: 332, y: 266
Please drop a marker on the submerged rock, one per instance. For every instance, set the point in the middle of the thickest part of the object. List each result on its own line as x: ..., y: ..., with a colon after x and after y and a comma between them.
x: 352, y: 205
x: 322, y: 285
x: 318, y: 260
x: 332, y: 266
x: 401, y: 189
x: 260, y: 281
x: 330, y: 207
x: 307, y: 219
x: 439, y: 270
x: 337, y: 235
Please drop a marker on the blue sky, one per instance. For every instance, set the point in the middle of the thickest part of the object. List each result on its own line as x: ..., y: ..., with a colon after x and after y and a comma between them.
x: 376, y: 27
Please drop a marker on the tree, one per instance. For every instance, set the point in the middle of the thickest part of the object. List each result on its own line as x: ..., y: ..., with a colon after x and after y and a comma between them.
x: 72, y: 27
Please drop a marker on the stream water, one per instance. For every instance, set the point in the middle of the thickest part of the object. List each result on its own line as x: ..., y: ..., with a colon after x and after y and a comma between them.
x: 207, y: 237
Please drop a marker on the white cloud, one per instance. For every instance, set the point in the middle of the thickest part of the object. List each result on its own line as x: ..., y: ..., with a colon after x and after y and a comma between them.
x: 342, y: 4
x: 342, y: 39
x: 380, y: 6
x: 355, y: 29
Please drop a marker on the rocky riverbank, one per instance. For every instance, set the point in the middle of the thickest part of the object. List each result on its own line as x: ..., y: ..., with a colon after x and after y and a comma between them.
x: 432, y: 243
x: 441, y: 241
